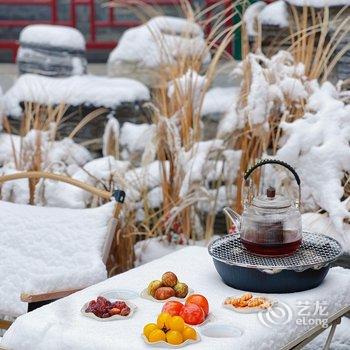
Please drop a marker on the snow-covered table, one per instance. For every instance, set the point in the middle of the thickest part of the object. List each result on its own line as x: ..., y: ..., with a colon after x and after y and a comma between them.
x: 61, y: 326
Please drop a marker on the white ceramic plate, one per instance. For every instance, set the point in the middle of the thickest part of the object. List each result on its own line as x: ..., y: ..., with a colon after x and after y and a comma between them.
x: 164, y: 344
x: 144, y: 294
x: 112, y: 318
x: 250, y: 310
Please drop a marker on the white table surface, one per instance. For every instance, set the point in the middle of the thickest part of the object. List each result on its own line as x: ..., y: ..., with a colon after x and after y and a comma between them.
x: 61, y: 326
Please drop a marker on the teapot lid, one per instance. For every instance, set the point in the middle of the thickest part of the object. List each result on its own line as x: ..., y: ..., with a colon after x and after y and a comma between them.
x: 271, y: 201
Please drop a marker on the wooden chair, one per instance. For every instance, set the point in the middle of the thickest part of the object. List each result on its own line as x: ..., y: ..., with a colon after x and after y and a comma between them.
x: 37, y: 300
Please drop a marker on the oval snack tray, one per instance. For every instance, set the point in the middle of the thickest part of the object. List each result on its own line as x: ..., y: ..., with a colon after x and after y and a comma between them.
x: 144, y: 294
x: 132, y: 307
x: 250, y: 310
x: 164, y: 344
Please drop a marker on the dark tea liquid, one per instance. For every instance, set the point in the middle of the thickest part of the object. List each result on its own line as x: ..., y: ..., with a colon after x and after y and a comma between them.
x: 272, y: 249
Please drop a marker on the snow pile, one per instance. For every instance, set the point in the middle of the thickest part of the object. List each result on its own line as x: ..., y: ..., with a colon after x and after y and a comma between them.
x: 52, y: 35
x: 318, y: 3
x: 49, y: 249
x: 160, y: 41
x: 190, y: 85
x: 275, y: 84
x: 134, y: 138
x: 275, y: 14
x: 317, y: 145
x: 77, y: 90
x: 251, y: 16
x: 219, y: 100
x: 17, y: 154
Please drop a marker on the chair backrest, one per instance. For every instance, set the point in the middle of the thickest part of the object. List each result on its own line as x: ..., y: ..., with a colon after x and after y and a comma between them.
x: 44, y: 249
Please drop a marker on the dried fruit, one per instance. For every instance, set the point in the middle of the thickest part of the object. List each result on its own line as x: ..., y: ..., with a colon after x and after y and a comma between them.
x: 153, y: 286
x: 163, y: 293
x: 103, y: 308
x: 169, y: 279
x: 181, y: 290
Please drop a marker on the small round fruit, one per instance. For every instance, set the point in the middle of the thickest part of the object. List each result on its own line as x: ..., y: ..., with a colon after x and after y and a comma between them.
x: 192, y: 314
x: 169, y: 279
x: 172, y: 307
x: 199, y: 300
x: 189, y: 333
x: 177, y: 323
x: 157, y: 335
x: 181, y: 289
x: 163, y: 320
x: 153, y: 286
x: 149, y: 328
x: 174, y: 337
x: 163, y: 293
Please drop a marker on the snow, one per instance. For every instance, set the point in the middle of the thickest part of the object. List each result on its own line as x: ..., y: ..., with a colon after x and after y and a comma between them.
x: 110, y: 138
x: 134, y: 137
x: 76, y: 90
x: 160, y: 41
x: 275, y: 14
x: 53, y: 35
x: 49, y: 249
x: 219, y: 100
x: 321, y: 223
x: 318, y: 3
x: 317, y: 145
x: 60, y: 325
x: 250, y: 16
x: 190, y: 85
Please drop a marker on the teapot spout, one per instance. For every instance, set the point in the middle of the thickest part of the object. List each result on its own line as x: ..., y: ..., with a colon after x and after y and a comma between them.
x: 233, y: 217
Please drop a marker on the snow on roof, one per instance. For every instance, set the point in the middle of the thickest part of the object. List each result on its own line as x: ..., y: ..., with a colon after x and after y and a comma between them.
x: 75, y: 90
x: 160, y: 41
x: 53, y: 35
x: 49, y: 249
x: 319, y: 3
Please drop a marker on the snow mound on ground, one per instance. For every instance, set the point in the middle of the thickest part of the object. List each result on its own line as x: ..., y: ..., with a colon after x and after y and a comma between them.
x: 49, y: 249
x: 76, y: 90
x: 161, y: 40
x: 52, y: 35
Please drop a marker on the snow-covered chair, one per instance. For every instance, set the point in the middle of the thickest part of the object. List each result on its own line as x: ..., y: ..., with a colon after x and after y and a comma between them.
x: 48, y: 253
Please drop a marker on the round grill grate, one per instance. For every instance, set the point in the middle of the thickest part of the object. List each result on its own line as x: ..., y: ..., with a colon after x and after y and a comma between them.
x: 316, y: 251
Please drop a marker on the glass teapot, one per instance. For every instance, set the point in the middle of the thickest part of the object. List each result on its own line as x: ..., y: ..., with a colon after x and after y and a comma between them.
x: 270, y: 224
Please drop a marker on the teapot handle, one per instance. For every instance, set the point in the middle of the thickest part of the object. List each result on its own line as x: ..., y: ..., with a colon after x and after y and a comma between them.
x: 279, y: 162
